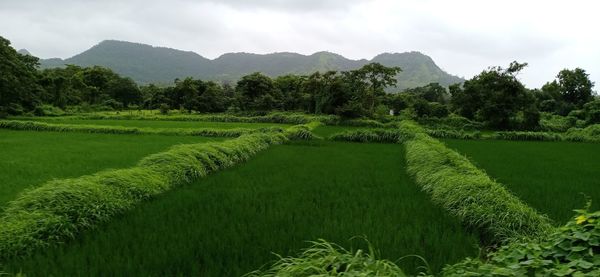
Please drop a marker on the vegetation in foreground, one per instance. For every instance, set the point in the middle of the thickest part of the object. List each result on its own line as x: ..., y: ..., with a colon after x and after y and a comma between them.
x: 28, y: 158
x: 233, y: 222
x: 552, y: 177
x: 569, y: 251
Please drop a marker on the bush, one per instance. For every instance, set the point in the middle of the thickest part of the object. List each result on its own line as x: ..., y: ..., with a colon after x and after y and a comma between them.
x: 452, y: 122
x: 556, y: 123
x: 164, y: 109
x: 326, y: 259
x: 56, y: 211
x: 587, y: 134
x: 569, y: 251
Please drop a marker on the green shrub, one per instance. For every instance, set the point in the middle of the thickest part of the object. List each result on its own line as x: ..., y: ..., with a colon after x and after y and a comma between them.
x: 451, y: 122
x: 587, y: 134
x: 468, y: 193
x: 572, y: 250
x: 326, y: 259
x: 556, y: 123
x: 58, y: 210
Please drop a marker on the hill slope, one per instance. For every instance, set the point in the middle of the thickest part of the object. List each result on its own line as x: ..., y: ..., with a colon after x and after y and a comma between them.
x: 148, y: 64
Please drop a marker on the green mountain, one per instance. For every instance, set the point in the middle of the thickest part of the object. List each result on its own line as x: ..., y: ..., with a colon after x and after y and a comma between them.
x: 149, y: 64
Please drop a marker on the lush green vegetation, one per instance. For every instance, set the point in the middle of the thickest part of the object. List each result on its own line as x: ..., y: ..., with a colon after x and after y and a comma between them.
x: 549, y: 176
x: 161, y: 123
x: 58, y: 210
x: 28, y: 159
x: 468, y: 193
x: 206, y: 132
x: 569, y: 251
x: 232, y: 222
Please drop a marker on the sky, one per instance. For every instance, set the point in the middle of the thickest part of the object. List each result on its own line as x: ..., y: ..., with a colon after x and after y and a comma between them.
x: 463, y: 37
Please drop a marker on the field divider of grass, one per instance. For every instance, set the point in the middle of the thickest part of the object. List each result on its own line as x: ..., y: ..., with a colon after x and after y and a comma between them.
x: 275, y: 117
x: 204, y: 132
x: 58, y: 210
x: 470, y: 194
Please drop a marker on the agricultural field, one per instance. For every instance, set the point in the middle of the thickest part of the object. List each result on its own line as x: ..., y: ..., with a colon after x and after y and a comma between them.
x: 29, y: 158
x: 232, y: 222
x: 160, y: 123
x: 553, y: 177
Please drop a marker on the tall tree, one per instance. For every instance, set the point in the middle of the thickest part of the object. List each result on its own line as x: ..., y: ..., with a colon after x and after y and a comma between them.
x: 496, y: 97
x: 575, y: 86
x: 18, y: 80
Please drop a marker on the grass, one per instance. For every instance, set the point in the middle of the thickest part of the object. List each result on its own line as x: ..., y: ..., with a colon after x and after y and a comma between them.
x: 231, y: 222
x: 29, y: 158
x: 161, y: 123
x: 326, y: 131
x: 549, y: 176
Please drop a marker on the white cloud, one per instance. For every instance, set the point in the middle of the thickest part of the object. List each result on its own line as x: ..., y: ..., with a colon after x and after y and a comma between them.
x: 463, y: 37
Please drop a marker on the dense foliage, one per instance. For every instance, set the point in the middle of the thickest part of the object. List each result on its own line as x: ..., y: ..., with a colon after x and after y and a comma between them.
x: 494, y: 99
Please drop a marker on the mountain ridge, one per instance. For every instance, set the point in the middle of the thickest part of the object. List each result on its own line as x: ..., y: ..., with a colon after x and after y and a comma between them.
x: 155, y: 64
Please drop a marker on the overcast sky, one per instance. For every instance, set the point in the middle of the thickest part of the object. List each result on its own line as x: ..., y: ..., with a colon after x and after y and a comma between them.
x: 463, y: 37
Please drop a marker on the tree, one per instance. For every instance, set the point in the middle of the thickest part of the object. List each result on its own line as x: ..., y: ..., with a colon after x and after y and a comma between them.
x: 575, y: 86
x: 257, y: 92
x: 19, y: 90
x: 496, y: 97
x: 370, y: 81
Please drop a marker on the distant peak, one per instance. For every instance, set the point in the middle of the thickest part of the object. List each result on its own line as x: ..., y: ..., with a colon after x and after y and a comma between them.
x: 24, y: 52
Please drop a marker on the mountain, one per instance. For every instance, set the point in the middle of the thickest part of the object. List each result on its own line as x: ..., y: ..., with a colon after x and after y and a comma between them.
x: 23, y: 52
x: 149, y: 64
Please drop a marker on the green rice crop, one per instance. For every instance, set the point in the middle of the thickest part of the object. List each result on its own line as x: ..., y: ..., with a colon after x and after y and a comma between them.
x: 58, y: 210
x: 550, y: 176
x: 29, y: 158
x: 232, y: 222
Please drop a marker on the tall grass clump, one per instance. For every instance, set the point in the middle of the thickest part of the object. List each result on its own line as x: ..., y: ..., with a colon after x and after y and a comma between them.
x: 58, y: 210
x: 468, y: 193
x: 275, y: 117
x: 524, y: 135
x: 453, y: 134
x: 302, y: 132
x: 587, y: 134
x: 206, y: 132
x: 326, y: 259
x: 372, y: 135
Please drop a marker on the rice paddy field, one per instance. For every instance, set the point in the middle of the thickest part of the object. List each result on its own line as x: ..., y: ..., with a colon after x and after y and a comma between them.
x: 29, y: 158
x: 233, y: 221
x: 552, y: 177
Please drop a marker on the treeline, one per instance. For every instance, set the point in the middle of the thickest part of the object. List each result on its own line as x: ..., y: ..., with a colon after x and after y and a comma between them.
x: 495, y: 97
